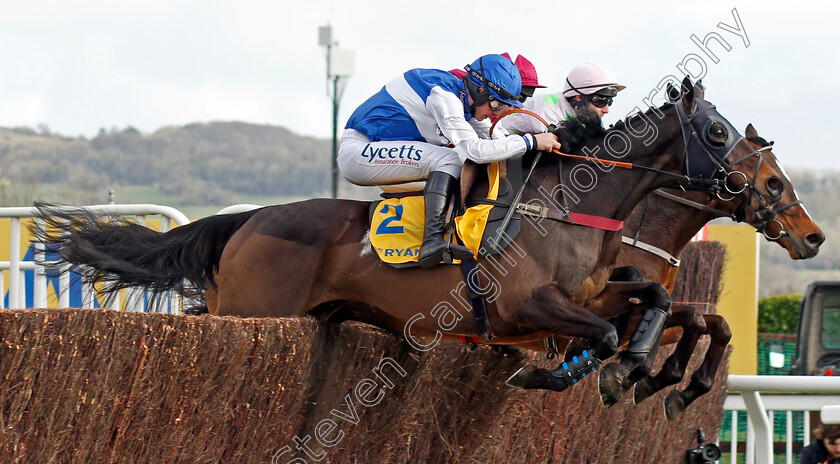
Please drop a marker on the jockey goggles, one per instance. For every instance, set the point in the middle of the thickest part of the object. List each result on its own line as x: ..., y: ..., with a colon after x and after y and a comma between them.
x: 600, y: 101
x: 496, y: 105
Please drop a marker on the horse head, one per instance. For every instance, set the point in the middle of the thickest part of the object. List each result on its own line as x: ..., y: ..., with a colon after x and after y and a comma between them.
x: 751, y: 174
x: 792, y: 227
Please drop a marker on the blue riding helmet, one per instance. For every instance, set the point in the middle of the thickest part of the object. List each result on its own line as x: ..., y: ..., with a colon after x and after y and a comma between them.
x: 498, y: 75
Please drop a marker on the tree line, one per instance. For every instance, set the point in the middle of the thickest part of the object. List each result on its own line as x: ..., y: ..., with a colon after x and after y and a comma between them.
x: 200, y: 163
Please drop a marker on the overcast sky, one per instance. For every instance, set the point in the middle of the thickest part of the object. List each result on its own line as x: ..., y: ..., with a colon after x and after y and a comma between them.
x: 81, y: 65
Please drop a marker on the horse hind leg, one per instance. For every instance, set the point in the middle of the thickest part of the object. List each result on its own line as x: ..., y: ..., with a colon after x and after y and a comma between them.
x: 701, y: 382
x: 693, y: 325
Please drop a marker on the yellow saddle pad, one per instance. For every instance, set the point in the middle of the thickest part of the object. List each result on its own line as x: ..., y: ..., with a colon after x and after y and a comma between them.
x: 396, y: 228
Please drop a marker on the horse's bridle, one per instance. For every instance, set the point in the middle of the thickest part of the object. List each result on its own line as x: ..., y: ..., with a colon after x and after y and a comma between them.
x: 706, y: 166
x: 706, y: 161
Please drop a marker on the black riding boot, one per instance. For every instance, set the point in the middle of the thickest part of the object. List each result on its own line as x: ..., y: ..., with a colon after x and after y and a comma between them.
x: 440, y: 187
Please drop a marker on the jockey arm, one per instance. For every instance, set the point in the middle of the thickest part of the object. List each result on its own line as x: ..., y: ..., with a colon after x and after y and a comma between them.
x: 522, y: 124
x: 552, y: 108
x: 448, y: 112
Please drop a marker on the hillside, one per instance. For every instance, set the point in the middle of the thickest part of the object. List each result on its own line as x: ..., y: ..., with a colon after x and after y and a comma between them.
x: 220, y: 163
x: 197, y: 163
x: 820, y: 193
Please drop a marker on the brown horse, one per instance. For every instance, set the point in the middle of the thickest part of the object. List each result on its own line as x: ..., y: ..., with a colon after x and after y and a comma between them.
x: 792, y: 229
x: 667, y: 222
x: 313, y: 256
x: 668, y: 226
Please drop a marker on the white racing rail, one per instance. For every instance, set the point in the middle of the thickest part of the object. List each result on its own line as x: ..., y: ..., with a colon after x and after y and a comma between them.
x: 16, y: 267
x: 762, y: 396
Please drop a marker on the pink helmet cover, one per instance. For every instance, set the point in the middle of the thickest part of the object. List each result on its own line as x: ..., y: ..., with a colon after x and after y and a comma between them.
x: 527, y: 70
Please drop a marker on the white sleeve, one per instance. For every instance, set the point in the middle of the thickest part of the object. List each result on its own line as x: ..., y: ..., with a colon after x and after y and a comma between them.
x: 482, y: 128
x: 522, y: 124
x: 552, y: 108
x: 448, y: 113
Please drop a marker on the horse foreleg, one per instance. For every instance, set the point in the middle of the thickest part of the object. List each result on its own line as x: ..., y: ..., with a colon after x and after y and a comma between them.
x: 616, y: 378
x: 693, y: 325
x: 627, y: 274
x: 549, y: 309
x: 704, y: 377
x: 619, y: 274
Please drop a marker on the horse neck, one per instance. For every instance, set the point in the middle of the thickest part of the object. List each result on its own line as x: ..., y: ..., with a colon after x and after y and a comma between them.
x: 667, y: 225
x: 616, y: 191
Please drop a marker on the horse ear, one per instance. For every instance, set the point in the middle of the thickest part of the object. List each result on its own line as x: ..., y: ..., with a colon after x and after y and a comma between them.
x: 699, y: 89
x: 672, y: 93
x: 751, y: 132
x: 688, y: 95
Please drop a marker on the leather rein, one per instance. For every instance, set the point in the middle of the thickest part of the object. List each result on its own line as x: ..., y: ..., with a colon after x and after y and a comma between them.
x: 712, y: 185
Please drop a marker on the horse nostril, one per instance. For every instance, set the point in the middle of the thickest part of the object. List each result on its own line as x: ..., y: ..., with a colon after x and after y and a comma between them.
x: 815, y: 240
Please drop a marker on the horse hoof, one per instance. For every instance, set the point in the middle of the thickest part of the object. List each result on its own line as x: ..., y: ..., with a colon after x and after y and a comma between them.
x: 642, y: 391
x: 523, y: 377
x: 609, y: 384
x: 674, y: 405
x: 531, y: 377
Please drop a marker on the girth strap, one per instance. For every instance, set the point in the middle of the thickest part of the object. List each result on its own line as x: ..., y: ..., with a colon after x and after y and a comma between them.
x: 476, y: 299
x: 552, y: 349
x: 652, y: 249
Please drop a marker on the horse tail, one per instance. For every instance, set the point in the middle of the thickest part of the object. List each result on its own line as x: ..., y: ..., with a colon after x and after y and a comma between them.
x: 120, y: 253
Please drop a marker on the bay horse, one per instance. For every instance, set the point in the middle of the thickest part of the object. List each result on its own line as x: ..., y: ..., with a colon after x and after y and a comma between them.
x: 667, y: 222
x: 314, y: 256
x: 670, y: 220
x: 792, y: 228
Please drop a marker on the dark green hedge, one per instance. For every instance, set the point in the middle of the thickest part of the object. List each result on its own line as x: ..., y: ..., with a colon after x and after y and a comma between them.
x: 779, y: 314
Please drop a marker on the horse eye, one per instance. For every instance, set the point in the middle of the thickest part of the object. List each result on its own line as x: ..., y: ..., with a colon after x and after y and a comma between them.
x: 717, y: 134
x: 775, y: 186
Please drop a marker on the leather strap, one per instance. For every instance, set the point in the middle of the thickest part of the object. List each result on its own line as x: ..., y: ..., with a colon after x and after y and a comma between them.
x: 580, y: 219
x: 652, y: 249
x: 482, y: 324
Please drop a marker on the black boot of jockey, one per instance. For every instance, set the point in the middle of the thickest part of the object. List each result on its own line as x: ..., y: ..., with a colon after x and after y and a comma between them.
x: 440, y: 188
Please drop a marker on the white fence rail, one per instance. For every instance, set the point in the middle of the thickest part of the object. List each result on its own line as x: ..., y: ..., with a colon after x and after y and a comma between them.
x: 17, y: 267
x: 763, y: 397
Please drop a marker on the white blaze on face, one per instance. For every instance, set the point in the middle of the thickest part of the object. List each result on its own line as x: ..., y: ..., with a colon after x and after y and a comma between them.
x: 795, y: 195
x: 802, y: 205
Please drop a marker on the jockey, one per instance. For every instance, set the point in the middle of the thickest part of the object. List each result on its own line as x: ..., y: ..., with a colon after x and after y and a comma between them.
x: 526, y: 70
x: 589, y: 88
x: 423, y: 125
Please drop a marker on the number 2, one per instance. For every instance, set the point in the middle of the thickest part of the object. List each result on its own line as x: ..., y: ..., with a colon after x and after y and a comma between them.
x: 384, y: 228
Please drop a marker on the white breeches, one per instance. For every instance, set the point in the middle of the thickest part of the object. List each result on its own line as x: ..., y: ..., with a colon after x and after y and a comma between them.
x: 363, y: 162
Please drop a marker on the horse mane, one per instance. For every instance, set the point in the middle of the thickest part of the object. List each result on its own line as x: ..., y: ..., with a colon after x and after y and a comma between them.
x: 575, y: 132
x: 587, y: 126
x: 637, y: 116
